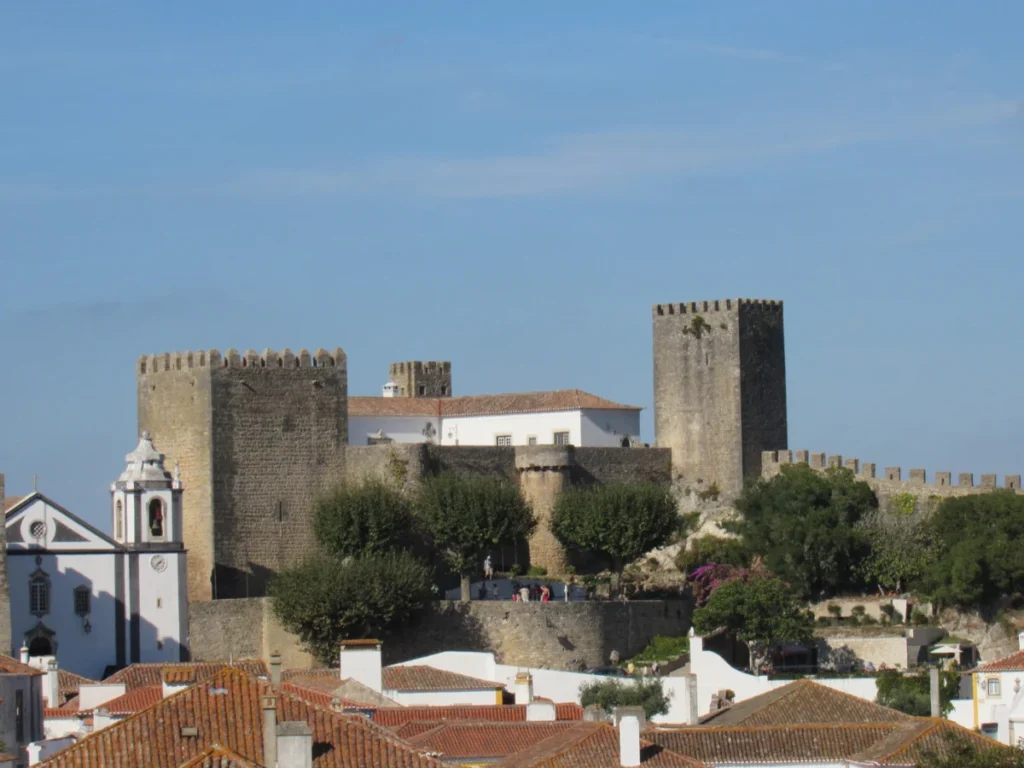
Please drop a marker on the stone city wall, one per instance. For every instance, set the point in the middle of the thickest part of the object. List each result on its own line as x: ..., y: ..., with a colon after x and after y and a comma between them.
x: 549, y: 635
x: 891, y: 483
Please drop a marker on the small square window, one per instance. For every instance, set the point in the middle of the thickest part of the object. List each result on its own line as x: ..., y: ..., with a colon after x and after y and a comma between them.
x: 531, y: 440
x: 994, y: 687
x: 561, y: 438
x: 503, y: 440
x: 423, y: 390
x: 82, y: 601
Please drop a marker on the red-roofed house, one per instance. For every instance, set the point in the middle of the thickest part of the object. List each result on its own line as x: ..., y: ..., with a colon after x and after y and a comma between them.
x: 998, y: 693
x: 409, y: 413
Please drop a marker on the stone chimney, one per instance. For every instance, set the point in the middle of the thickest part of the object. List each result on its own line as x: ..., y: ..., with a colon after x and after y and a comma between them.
x: 541, y: 711
x: 630, y: 723
x: 294, y: 745
x: 524, y: 687
x: 53, y: 684
x: 360, y: 660
x: 275, y: 669
x: 23, y: 654
x: 270, y: 731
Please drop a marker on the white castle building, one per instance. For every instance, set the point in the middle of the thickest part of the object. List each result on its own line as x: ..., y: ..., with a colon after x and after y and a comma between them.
x: 93, y: 601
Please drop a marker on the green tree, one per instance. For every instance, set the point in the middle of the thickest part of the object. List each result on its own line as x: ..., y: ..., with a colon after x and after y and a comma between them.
x: 620, y: 522
x: 804, y: 524
x: 325, y: 600
x: 357, y: 518
x: 900, y: 549
x: 760, y: 612
x: 978, y: 555
x: 911, y: 693
x: 710, y: 549
x: 611, y: 693
x: 468, y: 517
x: 959, y: 752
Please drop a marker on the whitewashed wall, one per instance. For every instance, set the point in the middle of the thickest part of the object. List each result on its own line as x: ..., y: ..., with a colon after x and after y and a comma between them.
x: 444, y: 698
x: 606, y: 428
x: 483, y: 430
x: 84, y: 653
x: 401, y: 429
x: 163, y: 619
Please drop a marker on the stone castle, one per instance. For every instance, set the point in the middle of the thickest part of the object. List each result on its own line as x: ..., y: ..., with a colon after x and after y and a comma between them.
x: 259, y: 436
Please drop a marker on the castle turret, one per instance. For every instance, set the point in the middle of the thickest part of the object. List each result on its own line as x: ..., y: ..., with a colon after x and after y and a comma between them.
x: 719, y: 388
x: 422, y: 379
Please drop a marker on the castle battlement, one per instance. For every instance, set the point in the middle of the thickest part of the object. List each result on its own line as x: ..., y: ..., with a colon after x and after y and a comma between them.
x: 773, y: 461
x: 422, y: 365
x: 178, y: 361
x: 716, y: 305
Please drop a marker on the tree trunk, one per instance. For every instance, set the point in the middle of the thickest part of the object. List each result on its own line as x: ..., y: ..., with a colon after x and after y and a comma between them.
x: 464, y: 579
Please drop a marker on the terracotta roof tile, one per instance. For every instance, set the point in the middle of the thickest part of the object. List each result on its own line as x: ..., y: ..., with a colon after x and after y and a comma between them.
x: 141, y: 675
x: 910, y: 741
x: 10, y: 502
x: 463, y: 740
x: 592, y: 745
x: 1012, y: 663
x: 69, y: 683
x: 483, y: 405
x: 11, y: 666
x: 134, y: 700
x: 803, y: 702
x: 771, y: 744
x: 225, y: 710
x: 219, y: 757
x: 422, y: 678
x: 393, y: 717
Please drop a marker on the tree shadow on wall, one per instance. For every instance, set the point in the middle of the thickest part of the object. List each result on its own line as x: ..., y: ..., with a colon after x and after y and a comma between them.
x: 442, y: 626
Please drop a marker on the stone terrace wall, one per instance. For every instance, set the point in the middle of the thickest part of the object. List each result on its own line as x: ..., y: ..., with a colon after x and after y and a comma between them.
x: 622, y: 465
x: 891, y: 483
x: 549, y: 635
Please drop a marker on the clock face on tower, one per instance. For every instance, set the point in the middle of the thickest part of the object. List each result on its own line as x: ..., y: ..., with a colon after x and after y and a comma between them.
x: 158, y: 562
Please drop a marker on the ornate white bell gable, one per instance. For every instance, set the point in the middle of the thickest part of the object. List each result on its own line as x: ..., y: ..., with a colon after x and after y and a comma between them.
x: 146, y: 503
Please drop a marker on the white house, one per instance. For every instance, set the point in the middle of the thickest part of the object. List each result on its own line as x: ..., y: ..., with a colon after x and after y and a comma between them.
x: 95, y: 601
x: 558, y: 417
x: 998, y: 697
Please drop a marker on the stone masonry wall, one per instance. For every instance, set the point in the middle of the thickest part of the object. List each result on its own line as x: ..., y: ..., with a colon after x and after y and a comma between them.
x: 551, y: 635
x: 891, y: 482
x: 175, y: 406
x: 719, y: 388
x: 256, y: 437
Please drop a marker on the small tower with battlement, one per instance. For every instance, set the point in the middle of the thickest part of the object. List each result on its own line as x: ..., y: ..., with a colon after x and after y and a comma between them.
x: 719, y: 389
x: 422, y: 379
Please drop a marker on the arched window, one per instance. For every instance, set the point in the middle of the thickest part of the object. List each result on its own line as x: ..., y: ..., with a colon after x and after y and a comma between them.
x: 118, y: 521
x: 156, y: 519
x: 39, y: 594
x: 40, y: 646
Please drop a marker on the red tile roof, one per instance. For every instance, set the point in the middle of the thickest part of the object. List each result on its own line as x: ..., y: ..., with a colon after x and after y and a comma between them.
x: 508, y: 713
x: 483, y: 405
x: 219, y: 757
x: 1012, y: 663
x: 911, y: 741
x: 10, y: 502
x: 11, y: 666
x: 226, y: 710
x: 140, y: 675
x: 592, y: 745
x: 771, y: 744
x: 461, y: 740
x: 134, y: 700
x: 422, y: 678
x: 69, y: 683
x: 803, y: 702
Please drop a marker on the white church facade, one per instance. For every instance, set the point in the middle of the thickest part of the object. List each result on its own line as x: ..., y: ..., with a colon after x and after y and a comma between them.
x: 94, y: 601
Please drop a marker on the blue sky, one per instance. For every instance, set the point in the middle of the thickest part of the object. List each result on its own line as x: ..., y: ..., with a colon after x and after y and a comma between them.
x: 511, y: 187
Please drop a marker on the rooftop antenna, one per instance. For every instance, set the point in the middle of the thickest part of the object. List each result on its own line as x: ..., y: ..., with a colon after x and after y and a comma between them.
x: 35, y: 483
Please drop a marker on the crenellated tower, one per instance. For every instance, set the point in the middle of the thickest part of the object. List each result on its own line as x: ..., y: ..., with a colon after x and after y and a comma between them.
x: 422, y: 379
x: 256, y: 437
x: 719, y: 388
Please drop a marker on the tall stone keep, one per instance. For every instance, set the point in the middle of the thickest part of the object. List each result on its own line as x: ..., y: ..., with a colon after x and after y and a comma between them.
x: 257, y: 437
x: 544, y: 473
x: 719, y: 388
x: 422, y: 379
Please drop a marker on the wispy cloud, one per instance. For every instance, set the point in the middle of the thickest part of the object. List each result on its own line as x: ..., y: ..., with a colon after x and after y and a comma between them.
x: 598, y: 160
x: 750, y: 54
